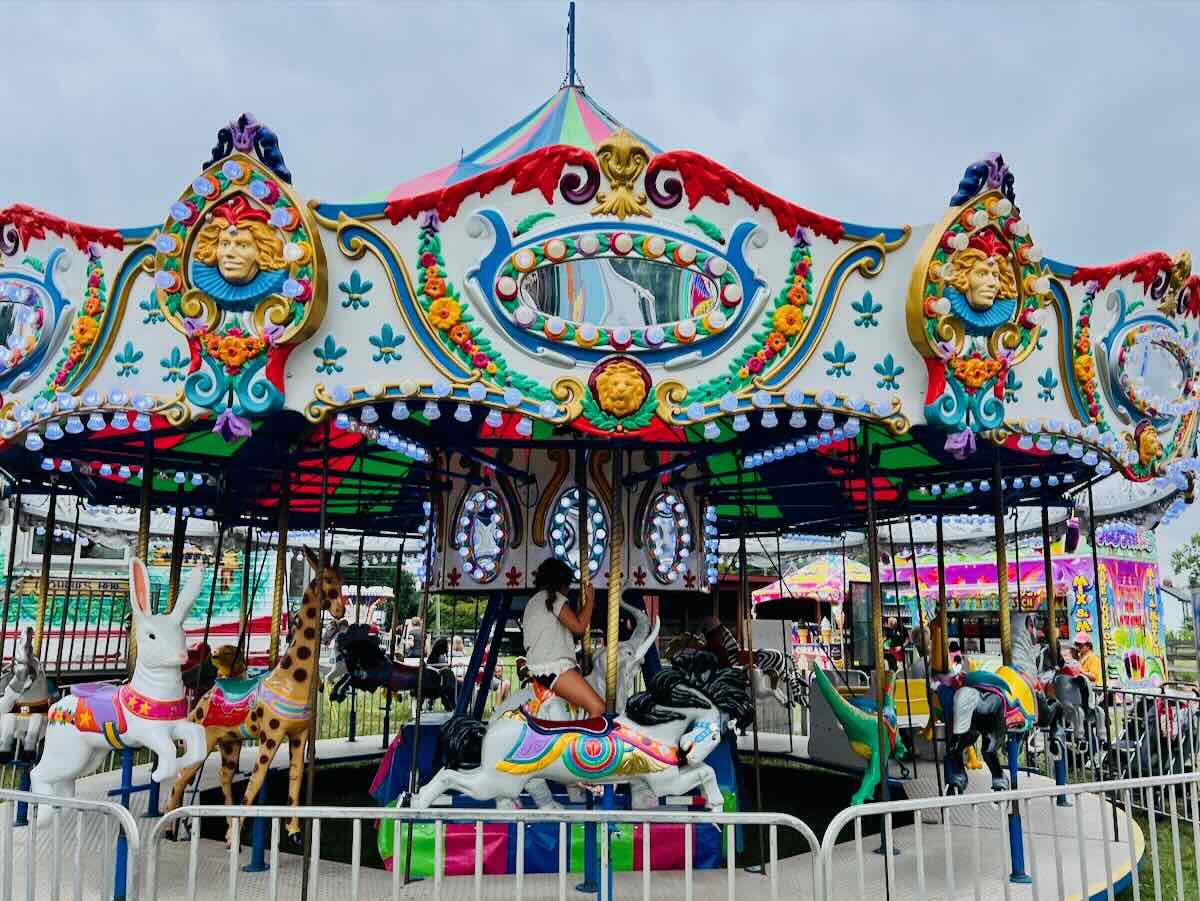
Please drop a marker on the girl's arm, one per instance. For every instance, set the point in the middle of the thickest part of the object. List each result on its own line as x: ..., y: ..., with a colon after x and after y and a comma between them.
x: 578, y: 623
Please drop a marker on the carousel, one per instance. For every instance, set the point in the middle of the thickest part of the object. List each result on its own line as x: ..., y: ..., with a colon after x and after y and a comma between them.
x: 569, y: 344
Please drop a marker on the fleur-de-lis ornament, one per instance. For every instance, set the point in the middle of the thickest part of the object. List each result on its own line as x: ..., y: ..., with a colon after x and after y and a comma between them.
x: 622, y: 159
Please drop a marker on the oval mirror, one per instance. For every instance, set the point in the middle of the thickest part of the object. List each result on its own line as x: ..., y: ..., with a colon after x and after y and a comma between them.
x: 564, y: 531
x: 481, y: 534
x: 668, y: 535
x: 23, y: 310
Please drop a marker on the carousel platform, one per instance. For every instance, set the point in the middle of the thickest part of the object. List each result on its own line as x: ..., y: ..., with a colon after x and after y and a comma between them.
x: 984, y: 852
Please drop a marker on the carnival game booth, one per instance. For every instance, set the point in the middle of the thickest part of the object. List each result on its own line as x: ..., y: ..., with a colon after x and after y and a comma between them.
x: 573, y: 344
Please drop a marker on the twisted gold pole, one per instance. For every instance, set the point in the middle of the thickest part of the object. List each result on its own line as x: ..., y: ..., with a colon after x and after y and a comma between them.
x: 616, y: 548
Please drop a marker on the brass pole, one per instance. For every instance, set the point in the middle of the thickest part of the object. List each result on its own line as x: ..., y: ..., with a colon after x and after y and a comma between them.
x: 943, y: 614
x: 8, y: 581
x: 616, y: 548
x: 1001, y: 563
x: 143, y: 535
x: 44, y: 581
x: 281, y: 556
x: 1100, y: 608
x: 1051, y: 613
x: 247, y: 573
x: 177, y: 534
x: 584, y: 546
x: 62, y: 629
x: 310, y: 745
x: 876, y: 622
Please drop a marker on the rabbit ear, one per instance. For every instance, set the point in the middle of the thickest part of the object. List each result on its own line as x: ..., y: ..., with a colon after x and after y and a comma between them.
x: 139, y: 588
x: 313, y: 560
x: 188, y: 593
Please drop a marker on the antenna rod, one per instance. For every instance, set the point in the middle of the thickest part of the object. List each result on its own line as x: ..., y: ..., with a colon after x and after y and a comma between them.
x: 571, y: 44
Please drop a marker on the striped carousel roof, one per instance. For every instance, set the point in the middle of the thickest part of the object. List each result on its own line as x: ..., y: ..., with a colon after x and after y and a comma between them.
x: 570, y: 116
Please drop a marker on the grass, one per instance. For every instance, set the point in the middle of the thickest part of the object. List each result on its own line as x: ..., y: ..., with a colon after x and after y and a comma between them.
x: 1166, y: 861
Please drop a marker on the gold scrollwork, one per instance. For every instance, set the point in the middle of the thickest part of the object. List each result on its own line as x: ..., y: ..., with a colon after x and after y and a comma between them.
x: 569, y: 393
x: 622, y: 160
x: 669, y: 394
x: 561, y: 458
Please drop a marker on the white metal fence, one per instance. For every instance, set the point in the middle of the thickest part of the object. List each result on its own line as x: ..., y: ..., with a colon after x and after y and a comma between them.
x: 1084, y: 840
x: 70, y: 848
x: 226, y: 880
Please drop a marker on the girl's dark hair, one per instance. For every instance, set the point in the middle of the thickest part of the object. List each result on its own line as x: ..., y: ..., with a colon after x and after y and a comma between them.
x: 552, y: 577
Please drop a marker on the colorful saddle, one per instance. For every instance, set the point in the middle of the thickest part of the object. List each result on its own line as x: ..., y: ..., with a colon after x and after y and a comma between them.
x: 231, y: 702
x: 1020, y: 705
x: 97, y: 709
x: 590, y: 749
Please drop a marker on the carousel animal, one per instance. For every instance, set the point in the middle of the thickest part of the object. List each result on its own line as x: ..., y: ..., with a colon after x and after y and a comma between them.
x: 769, y: 670
x: 273, y: 708
x: 930, y: 645
x: 1080, y: 712
x: 661, y: 741
x: 361, y: 662
x: 24, y: 702
x: 995, y: 706
x: 860, y: 723
x: 149, y: 711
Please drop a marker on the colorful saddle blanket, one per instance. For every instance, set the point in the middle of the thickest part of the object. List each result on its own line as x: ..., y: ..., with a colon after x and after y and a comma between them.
x: 231, y: 702
x: 1020, y: 705
x: 101, y: 708
x: 590, y: 749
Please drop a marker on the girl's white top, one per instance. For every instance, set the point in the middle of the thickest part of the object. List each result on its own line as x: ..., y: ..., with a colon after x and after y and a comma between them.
x: 549, y: 645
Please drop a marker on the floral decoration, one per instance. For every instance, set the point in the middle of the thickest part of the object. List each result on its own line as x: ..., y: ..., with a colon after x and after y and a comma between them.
x: 1084, y: 363
x: 176, y: 366
x: 839, y: 359
x: 387, y: 345
x: 328, y: 355
x: 772, y: 341
x: 867, y: 311
x: 87, y: 326
x: 232, y: 348
x: 127, y: 360
x: 454, y: 324
x: 889, y: 374
x: 975, y: 371
x: 355, y: 288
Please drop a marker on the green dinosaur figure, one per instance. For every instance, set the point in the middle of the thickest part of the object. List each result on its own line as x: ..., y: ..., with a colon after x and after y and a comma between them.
x: 858, y: 720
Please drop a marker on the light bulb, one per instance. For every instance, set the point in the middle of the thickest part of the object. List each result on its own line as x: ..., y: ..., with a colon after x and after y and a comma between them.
x: 120, y: 420
x: 74, y: 425
x: 368, y: 415
x: 431, y: 410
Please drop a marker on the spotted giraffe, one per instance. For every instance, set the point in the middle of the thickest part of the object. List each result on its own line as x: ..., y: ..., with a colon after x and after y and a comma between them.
x: 273, y: 708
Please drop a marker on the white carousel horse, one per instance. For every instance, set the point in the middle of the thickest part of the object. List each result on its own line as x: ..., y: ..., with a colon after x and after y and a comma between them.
x: 661, y: 741
x: 149, y: 711
x: 24, y: 703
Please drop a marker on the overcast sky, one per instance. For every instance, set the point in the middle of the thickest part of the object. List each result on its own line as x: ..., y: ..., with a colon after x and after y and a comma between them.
x: 867, y: 112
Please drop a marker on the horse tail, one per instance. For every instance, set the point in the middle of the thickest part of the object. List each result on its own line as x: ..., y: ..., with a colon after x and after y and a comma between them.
x: 461, y: 742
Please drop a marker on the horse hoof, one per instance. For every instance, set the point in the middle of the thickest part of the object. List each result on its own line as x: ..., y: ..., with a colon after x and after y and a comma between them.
x: 296, y: 839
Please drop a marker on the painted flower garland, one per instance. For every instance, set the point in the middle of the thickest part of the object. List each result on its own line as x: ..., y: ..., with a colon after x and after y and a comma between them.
x: 86, y: 328
x: 448, y: 314
x: 1084, y: 363
x: 784, y: 321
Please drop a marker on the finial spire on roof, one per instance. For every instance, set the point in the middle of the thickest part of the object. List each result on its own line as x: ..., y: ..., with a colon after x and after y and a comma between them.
x: 571, y: 82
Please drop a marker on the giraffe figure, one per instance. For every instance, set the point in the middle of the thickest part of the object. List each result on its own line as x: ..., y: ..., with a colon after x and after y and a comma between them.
x: 273, y: 708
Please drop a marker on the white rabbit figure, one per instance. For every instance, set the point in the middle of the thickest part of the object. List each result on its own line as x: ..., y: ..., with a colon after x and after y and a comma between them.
x: 149, y: 711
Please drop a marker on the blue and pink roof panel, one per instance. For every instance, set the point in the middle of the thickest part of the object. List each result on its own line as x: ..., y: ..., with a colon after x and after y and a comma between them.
x: 569, y: 117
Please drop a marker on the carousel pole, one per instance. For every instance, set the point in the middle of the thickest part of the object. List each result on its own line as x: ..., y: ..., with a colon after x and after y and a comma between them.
x: 143, y: 535
x: 925, y: 650
x: 1001, y: 563
x: 583, y: 544
x: 281, y: 556
x: 362, y: 540
x: 431, y: 534
x: 1099, y: 604
x: 14, y: 527
x: 310, y: 746
x: 1015, y: 841
x: 44, y: 580
x: 399, y: 581
x: 744, y: 617
x: 877, y: 632
x: 247, y: 570
x: 179, y: 528
x: 903, y: 662
x: 616, y: 549
x: 943, y: 615
x: 1048, y: 570
x: 62, y: 629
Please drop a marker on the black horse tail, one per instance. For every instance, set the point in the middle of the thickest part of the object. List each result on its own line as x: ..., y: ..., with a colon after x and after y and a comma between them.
x: 461, y: 742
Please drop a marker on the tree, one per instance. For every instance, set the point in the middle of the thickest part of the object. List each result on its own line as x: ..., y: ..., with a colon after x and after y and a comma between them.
x: 1185, y: 560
